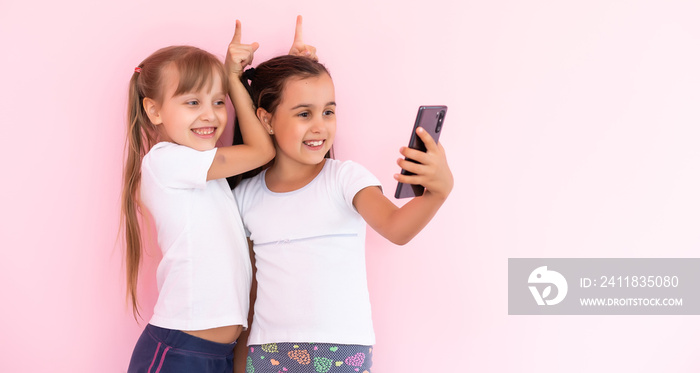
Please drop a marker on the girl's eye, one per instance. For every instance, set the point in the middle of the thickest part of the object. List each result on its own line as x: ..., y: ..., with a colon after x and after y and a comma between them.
x: 328, y: 112
x: 220, y: 102
x: 192, y: 102
x: 303, y: 114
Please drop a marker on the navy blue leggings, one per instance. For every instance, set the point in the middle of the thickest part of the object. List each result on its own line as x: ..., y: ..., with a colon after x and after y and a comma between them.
x: 160, y: 350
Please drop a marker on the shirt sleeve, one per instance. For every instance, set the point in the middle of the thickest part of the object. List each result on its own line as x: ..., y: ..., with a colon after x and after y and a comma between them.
x: 179, y: 167
x: 353, y: 177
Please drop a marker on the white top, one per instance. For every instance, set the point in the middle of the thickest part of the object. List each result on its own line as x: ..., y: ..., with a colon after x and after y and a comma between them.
x: 205, y: 275
x: 310, y: 256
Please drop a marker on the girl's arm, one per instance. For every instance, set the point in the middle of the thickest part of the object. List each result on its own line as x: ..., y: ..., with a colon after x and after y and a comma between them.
x: 257, y: 148
x: 400, y: 225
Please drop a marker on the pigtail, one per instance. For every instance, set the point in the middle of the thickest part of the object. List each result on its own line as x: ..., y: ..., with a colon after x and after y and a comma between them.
x: 138, y: 140
x: 246, y: 78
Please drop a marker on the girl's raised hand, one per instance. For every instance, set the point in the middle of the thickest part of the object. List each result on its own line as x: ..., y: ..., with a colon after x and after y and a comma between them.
x: 298, y: 47
x: 239, y: 55
x: 432, y: 171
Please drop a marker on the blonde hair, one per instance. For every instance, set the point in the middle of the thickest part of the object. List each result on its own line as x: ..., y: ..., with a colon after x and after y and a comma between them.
x: 196, y: 69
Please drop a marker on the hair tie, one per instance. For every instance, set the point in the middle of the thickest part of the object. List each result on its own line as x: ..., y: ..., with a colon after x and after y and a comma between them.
x: 137, y: 70
x: 248, y: 75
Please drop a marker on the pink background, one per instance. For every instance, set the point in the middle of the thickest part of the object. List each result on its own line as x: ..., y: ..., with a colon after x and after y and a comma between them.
x: 572, y: 131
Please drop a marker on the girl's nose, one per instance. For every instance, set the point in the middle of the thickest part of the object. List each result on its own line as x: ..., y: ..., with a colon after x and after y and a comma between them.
x: 317, y: 125
x: 207, y: 113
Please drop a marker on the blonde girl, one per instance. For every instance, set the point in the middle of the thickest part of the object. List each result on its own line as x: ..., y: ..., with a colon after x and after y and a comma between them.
x: 306, y: 217
x: 174, y: 170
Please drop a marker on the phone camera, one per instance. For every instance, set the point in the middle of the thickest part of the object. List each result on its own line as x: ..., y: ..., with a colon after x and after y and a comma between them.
x: 441, y: 117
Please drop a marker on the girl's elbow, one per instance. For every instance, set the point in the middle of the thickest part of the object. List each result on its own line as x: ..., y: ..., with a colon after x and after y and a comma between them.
x: 268, y: 154
x: 400, y: 239
x: 400, y: 242
x: 398, y: 235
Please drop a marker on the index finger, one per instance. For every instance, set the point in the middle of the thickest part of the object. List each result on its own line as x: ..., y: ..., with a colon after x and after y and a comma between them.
x: 237, y: 34
x: 428, y: 140
x: 297, y: 30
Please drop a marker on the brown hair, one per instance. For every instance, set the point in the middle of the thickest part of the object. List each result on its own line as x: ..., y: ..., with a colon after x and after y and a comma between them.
x: 265, y: 85
x: 196, y: 69
x: 268, y: 80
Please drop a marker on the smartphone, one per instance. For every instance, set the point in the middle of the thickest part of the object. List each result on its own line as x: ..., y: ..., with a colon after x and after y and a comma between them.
x: 431, y: 118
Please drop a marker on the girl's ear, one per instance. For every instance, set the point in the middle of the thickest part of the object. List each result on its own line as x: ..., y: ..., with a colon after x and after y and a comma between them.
x: 152, y: 111
x: 266, y: 119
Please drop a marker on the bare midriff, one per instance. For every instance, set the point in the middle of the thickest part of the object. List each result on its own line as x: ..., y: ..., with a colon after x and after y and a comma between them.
x: 224, y: 334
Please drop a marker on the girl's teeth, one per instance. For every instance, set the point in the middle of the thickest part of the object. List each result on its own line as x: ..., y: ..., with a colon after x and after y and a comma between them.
x: 203, y: 131
x: 314, y: 143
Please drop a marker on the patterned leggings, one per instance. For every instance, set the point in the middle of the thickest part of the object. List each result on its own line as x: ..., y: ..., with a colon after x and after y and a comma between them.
x: 309, y: 358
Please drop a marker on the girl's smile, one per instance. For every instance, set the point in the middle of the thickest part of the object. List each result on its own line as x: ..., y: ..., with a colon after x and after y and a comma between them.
x: 205, y: 132
x: 315, y: 145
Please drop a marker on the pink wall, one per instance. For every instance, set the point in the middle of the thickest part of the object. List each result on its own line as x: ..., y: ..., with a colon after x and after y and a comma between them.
x: 572, y: 132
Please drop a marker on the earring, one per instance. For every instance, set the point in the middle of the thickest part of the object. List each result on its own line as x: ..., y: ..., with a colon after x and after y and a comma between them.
x: 267, y: 122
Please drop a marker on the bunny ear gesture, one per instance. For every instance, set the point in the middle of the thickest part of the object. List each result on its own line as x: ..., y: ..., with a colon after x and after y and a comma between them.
x: 299, y: 48
x: 239, y: 55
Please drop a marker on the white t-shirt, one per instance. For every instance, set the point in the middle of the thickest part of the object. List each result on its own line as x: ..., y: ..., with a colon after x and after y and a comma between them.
x: 310, y: 257
x: 205, y: 275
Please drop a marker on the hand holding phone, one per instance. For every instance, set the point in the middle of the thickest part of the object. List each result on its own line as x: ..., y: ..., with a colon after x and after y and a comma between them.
x: 431, y: 119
